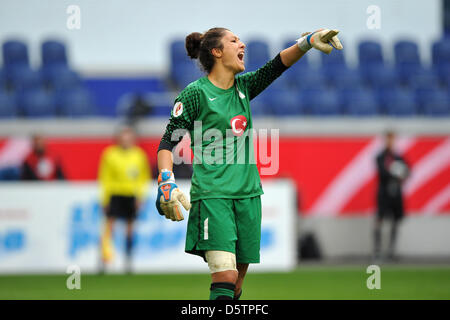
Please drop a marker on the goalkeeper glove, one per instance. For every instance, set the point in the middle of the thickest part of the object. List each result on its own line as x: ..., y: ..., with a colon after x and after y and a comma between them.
x: 168, y: 197
x: 323, y: 40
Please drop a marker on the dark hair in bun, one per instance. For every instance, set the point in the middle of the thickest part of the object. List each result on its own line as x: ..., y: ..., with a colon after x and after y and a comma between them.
x: 199, y: 46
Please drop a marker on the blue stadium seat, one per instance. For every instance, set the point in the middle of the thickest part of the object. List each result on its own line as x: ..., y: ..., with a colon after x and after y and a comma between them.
x: 423, y: 78
x: 361, y: 103
x: 260, y: 106
x: 61, y: 78
x: 370, y: 57
x: 348, y: 78
x: 37, y: 103
x: 407, y: 59
x: 441, y: 52
x: 310, y: 80
x: 186, y: 73
x: 285, y: 102
x: 53, y: 53
x: 382, y: 77
x: 321, y: 102
x: 441, y: 59
x: 296, y: 72
x: 335, y: 58
x: 400, y: 102
x: 178, y: 52
x: 257, y: 54
x: 8, y: 108
x: 437, y: 104
x: 370, y: 53
x: 15, y: 54
x: 75, y: 103
x: 343, y: 77
x: 22, y: 78
x: 3, y: 83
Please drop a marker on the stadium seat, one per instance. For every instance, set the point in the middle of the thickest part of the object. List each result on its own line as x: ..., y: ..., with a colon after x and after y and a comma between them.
x: 285, y: 102
x: 370, y: 57
x: 407, y: 59
x: 37, y: 103
x: 441, y: 59
x: 53, y: 53
x: 437, y: 104
x: 185, y: 73
x: 257, y: 54
x: 423, y: 78
x: 22, y: 78
x: 178, y: 52
x: 343, y: 77
x: 335, y: 58
x: 320, y: 102
x: 361, y: 102
x: 400, y: 102
x: 370, y: 53
x: 441, y: 52
x: 15, y: 54
x: 382, y: 77
x: 296, y: 72
x: 311, y: 80
x: 3, y: 83
x: 61, y: 78
x: 75, y: 103
x: 8, y: 108
x: 260, y: 106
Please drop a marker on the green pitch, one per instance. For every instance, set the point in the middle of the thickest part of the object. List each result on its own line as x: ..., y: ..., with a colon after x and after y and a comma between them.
x: 303, y: 283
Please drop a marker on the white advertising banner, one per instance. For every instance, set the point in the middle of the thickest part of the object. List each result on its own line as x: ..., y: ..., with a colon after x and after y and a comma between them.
x: 46, y: 227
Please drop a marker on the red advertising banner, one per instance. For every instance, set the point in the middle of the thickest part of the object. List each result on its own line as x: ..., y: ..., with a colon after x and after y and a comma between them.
x: 334, y: 175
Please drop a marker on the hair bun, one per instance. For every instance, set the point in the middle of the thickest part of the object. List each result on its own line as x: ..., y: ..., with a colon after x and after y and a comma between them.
x: 193, y: 44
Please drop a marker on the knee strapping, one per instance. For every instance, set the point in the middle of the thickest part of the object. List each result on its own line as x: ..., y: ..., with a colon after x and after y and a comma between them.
x: 219, y: 261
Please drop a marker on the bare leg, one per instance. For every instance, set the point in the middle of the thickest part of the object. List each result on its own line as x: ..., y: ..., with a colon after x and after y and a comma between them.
x: 242, y: 271
x: 225, y: 276
x: 377, y: 238
x: 129, y: 244
x: 105, y: 243
x: 393, y: 238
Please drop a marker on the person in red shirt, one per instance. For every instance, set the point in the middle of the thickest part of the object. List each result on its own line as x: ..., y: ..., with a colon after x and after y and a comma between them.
x: 40, y: 164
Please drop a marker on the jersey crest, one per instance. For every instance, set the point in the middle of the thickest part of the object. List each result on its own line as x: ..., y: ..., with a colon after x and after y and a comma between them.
x: 177, y: 109
x: 238, y: 125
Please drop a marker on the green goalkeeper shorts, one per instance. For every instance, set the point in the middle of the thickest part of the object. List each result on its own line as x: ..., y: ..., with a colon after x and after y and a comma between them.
x: 232, y: 225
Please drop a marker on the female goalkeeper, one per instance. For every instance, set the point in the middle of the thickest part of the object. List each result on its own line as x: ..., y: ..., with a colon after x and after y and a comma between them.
x: 224, y: 225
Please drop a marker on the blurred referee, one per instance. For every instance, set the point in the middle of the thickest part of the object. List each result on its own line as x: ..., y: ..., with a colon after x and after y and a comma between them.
x: 123, y: 176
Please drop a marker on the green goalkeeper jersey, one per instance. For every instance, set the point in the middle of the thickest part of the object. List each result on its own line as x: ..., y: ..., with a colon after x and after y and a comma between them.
x: 219, y: 122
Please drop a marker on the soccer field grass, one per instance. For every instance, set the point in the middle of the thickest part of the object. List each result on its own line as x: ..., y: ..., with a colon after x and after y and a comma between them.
x: 303, y: 283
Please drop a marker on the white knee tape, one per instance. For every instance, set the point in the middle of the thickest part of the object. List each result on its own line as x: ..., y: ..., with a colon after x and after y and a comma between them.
x: 219, y: 261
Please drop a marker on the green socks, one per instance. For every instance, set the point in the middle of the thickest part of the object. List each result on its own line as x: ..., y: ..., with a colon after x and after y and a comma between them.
x: 222, y: 291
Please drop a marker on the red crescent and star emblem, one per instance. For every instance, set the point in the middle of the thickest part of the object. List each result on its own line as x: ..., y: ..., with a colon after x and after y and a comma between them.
x: 238, y: 125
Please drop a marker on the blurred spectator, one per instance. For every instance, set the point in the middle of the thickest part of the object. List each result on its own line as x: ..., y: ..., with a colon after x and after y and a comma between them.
x: 392, y: 171
x: 123, y: 175
x: 40, y: 164
x: 138, y: 108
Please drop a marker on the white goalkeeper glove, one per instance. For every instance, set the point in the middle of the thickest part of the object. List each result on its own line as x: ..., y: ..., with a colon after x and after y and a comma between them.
x: 323, y: 40
x: 169, y: 196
